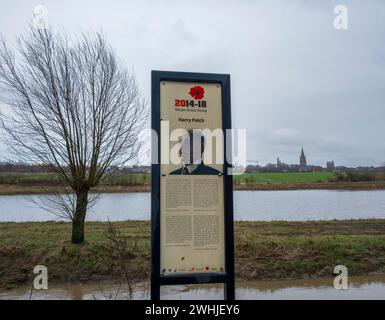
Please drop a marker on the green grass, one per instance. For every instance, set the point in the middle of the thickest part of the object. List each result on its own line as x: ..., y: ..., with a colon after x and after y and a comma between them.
x: 263, y: 250
x: 127, y: 179
x: 144, y: 178
x: 283, y: 177
x: 14, y: 178
x: 121, y: 179
x: 33, y: 183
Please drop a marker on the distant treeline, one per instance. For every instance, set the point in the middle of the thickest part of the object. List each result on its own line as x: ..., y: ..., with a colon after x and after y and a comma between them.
x: 12, y: 167
x: 353, y: 176
x: 283, y: 168
x: 20, y: 167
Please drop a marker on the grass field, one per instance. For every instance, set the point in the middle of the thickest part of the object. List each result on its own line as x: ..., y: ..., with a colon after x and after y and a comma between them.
x: 284, y: 177
x: 45, y: 183
x: 144, y: 178
x: 15, y: 178
x: 123, y: 179
x: 263, y: 250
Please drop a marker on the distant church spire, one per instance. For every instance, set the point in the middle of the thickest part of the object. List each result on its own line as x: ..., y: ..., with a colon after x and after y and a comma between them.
x: 302, y: 159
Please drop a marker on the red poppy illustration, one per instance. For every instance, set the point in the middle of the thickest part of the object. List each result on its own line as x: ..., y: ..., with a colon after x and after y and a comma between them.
x: 197, y: 92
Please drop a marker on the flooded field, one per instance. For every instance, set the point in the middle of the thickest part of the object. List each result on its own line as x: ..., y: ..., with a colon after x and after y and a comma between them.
x: 293, y: 205
x: 367, y: 287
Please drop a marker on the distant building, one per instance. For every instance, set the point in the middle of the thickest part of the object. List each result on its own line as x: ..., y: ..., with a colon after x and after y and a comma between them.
x: 279, y: 163
x: 330, y: 165
x: 302, y: 160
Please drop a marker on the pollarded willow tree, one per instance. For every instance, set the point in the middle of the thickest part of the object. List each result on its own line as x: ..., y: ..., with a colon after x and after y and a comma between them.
x: 71, y: 106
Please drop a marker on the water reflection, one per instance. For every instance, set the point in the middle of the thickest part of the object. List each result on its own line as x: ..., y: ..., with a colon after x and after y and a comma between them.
x: 366, y: 287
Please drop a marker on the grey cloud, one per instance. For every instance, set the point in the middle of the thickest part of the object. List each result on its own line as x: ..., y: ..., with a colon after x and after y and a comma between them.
x: 296, y: 81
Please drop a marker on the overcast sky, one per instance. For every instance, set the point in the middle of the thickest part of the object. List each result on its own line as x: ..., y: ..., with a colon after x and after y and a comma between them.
x: 296, y: 80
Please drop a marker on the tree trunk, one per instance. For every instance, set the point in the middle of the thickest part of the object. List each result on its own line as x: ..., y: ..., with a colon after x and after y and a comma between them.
x: 79, y: 217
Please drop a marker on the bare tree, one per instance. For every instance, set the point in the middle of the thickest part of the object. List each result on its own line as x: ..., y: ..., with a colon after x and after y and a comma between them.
x: 73, y: 107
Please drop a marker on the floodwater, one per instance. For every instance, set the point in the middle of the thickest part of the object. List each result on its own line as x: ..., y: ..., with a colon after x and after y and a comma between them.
x: 289, y: 205
x: 366, y: 287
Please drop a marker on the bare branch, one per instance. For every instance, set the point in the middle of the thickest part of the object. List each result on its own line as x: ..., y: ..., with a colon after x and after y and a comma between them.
x: 73, y: 107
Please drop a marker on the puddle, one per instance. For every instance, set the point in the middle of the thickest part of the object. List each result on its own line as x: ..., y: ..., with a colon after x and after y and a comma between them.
x: 366, y: 287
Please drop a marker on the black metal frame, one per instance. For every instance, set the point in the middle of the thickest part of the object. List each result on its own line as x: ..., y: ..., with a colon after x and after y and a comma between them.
x: 226, y: 277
